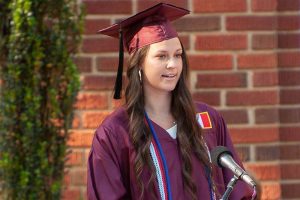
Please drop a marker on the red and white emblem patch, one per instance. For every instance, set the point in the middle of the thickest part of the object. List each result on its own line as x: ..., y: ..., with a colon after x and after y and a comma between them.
x: 204, y: 120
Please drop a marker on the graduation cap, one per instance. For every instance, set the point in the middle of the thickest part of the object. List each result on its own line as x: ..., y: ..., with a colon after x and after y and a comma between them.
x: 146, y: 27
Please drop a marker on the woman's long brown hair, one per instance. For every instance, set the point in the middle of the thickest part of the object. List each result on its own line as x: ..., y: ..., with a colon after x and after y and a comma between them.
x: 189, y: 134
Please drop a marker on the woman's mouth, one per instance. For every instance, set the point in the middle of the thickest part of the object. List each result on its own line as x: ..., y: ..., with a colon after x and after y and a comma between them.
x: 169, y: 75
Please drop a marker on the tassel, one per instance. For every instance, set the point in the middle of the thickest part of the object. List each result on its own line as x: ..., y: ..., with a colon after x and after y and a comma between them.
x: 118, y: 83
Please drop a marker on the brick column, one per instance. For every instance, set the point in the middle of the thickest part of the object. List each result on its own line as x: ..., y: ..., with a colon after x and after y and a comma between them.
x: 289, y: 88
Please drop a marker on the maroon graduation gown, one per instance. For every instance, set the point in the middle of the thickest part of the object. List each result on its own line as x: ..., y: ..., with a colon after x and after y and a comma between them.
x: 110, y: 164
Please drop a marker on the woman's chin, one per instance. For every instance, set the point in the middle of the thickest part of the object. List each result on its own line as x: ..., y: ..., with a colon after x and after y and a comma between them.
x: 169, y: 88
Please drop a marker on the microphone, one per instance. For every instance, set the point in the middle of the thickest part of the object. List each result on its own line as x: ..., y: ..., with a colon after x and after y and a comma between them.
x: 222, y: 157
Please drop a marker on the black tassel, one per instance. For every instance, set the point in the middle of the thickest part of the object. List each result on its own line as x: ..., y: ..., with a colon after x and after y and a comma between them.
x: 118, y: 83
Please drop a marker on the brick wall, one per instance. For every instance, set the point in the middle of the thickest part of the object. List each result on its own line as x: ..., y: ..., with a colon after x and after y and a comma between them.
x: 245, y: 61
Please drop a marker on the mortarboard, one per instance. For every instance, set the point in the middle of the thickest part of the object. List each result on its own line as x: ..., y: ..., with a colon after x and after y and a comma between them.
x: 144, y: 28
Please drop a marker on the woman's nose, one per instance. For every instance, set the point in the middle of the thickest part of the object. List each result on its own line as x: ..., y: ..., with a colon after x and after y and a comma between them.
x: 172, y: 62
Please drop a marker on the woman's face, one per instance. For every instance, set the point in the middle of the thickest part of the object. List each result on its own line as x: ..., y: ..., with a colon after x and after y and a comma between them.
x: 162, y: 66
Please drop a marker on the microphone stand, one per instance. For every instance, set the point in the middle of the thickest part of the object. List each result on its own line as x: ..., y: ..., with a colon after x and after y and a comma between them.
x: 229, y: 189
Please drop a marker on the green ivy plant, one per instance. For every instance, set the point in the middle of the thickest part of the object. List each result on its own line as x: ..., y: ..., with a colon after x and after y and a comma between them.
x: 39, y: 85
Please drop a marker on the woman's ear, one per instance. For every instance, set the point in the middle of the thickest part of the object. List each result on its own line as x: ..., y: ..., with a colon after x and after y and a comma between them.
x: 140, y: 75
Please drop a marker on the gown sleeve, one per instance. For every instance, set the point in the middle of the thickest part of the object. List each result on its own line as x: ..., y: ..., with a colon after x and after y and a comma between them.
x: 104, y: 177
x: 241, y: 189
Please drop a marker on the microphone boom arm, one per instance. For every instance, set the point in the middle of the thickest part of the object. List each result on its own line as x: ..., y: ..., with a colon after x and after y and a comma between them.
x: 230, y: 186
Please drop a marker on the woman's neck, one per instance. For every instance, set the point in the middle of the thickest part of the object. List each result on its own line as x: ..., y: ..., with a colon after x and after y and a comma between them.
x: 156, y: 104
x: 158, y: 108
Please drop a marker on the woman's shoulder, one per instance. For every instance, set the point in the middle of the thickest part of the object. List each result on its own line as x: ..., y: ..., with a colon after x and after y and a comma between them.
x: 111, y: 138
x: 114, y: 125
x: 118, y: 117
x: 208, y: 116
x: 203, y: 108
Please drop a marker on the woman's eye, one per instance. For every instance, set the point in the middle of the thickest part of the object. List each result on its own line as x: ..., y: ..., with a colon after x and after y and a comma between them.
x: 178, y: 55
x: 162, y: 56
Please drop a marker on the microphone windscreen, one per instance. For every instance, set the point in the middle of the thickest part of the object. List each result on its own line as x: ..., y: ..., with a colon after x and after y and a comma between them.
x: 216, y: 153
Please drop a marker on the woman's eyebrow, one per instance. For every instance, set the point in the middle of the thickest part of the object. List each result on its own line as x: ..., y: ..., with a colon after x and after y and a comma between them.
x: 161, y: 51
x: 165, y: 51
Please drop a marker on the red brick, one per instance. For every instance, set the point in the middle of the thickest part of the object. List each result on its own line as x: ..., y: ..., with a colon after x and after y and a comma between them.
x: 288, y: 5
x: 264, y: 41
x: 266, y: 115
x: 254, y: 135
x: 290, y: 115
x: 76, y: 121
x: 288, y: 59
x: 265, y: 5
x: 267, y: 153
x: 94, y: 25
x: 108, y: 63
x: 235, y: 116
x: 93, y: 119
x: 84, y: 64
x: 75, y: 158
x: 243, y: 153
x: 290, y: 190
x: 289, y: 78
x: 252, y: 98
x: 290, y: 96
x: 265, y: 171
x: 202, y: 23
x: 252, y: 61
x: 207, y: 6
x: 290, y: 133
x: 78, y: 177
x: 261, y: 79
x: 108, y: 7
x: 271, y: 191
x: 290, y: 171
x: 211, y: 62
x: 83, y: 193
x: 143, y: 4
x: 290, y: 152
x: 67, y: 178
x: 98, y: 45
x: 221, y: 42
x: 185, y: 40
x: 80, y: 138
x: 211, y: 98
x: 291, y: 22
x: 94, y: 82
x: 251, y: 23
x: 289, y: 41
x: 221, y: 80
x: 71, y: 194
x: 86, y: 155
x: 91, y: 101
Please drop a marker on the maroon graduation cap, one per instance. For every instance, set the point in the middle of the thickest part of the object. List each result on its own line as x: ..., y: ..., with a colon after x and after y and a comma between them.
x: 146, y: 27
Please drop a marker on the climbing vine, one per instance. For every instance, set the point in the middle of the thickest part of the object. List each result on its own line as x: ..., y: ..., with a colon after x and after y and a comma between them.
x: 39, y: 84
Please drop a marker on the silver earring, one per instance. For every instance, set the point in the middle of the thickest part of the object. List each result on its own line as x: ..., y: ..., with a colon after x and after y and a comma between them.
x: 140, y: 75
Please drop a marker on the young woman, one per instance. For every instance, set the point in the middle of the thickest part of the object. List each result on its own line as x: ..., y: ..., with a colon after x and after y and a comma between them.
x: 157, y: 145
